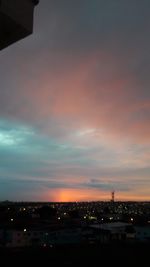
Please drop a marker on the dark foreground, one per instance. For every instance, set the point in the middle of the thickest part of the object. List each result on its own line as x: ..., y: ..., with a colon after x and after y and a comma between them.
x: 106, y: 255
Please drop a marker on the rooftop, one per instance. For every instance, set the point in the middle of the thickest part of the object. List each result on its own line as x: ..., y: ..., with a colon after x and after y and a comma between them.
x: 110, y: 226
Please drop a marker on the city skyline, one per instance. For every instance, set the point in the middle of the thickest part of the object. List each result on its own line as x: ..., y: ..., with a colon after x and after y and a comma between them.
x: 75, y: 104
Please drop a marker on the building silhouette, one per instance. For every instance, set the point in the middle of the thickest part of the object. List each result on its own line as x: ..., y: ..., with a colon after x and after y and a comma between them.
x: 112, y: 196
x: 16, y: 20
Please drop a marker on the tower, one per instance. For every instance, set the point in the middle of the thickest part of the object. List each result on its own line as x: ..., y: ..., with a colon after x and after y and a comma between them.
x: 112, y: 196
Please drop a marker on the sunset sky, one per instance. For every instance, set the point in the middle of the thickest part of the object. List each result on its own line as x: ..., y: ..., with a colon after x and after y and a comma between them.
x: 75, y: 104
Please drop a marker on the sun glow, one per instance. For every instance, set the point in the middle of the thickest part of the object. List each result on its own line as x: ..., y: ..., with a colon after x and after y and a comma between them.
x: 79, y: 195
x: 73, y: 195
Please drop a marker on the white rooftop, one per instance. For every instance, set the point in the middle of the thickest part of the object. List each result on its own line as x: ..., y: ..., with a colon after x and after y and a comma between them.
x: 110, y: 226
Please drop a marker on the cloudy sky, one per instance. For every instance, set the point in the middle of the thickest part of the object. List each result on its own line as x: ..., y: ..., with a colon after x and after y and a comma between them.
x: 75, y: 104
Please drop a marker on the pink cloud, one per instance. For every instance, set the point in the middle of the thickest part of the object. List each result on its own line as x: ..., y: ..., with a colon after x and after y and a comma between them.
x: 95, y: 90
x: 85, y: 99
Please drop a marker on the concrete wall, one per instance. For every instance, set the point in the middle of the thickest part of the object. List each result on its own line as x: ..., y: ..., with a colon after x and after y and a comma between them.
x: 19, y: 11
x: 16, y: 21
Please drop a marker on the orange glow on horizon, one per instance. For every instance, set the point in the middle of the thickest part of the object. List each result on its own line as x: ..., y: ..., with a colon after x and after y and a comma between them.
x: 77, y: 195
x: 73, y: 195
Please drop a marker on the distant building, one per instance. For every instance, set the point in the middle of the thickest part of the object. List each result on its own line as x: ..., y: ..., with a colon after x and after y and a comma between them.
x: 16, y: 20
x: 13, y: 238
x: 115, y: 231
x: 143, y: 233
x: 68, y: 236
x: 23, y: 238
